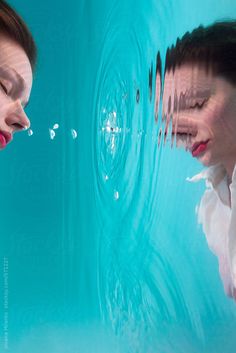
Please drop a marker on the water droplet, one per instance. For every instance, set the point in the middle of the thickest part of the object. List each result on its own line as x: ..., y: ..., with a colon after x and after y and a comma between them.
x: 55, y: 126
x: 73, y: 133
x: 106, y: 177
x: 30, y: 132
x: 52, y: 134
x: 116, y: 195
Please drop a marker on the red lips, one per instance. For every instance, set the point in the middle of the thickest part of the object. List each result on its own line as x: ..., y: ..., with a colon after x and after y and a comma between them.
x: 5, y: 138
x: 199, y: 147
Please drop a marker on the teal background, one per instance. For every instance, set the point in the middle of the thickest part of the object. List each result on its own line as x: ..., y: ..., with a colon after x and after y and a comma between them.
x: 89, y: 272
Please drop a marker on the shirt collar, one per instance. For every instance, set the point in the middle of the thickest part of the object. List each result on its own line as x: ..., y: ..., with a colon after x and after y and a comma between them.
x: 216, y: 177
x: 212, y: 175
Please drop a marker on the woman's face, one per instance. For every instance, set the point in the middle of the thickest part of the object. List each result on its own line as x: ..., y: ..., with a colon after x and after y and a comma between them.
x: 202, y: 112
x: 15, y: 88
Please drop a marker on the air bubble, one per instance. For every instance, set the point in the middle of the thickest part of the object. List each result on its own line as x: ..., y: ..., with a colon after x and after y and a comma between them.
x: 30, y: 132
x: 107, y: 127
x: 52, y: 134
x: 73, y: 133
x: 116, y: 195
x: 55, y: 126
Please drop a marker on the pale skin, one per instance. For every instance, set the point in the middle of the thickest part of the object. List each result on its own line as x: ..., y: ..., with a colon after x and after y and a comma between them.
x: 15, y: 86
x: 207, y: 115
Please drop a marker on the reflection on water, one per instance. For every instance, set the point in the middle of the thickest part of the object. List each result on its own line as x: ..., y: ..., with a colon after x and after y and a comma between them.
x: 143, y: 281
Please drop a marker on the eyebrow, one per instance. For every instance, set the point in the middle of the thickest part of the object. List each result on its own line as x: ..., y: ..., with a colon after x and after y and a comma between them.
x: 199, y: 94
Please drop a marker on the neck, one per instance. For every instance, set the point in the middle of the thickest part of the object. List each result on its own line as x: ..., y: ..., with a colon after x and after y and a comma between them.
x: 229, y: 167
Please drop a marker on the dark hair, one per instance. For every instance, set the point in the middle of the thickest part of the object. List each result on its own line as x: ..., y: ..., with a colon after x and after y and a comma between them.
x: 12, y: 25
x: 213, y: 47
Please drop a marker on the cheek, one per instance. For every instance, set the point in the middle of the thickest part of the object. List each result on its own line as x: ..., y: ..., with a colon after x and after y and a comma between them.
x: 3, y: 104
x: 223, y: 113
x: 214, y: 117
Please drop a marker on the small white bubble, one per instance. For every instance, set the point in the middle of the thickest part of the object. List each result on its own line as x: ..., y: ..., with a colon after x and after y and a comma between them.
x: 52, y: 134
x: 73, y: 133
x: 117, y: 130
x: 30, y: 132
x: 112, y: 116
x: 104, y: 110
x: 55, y: 126
x: 112, y: 142
x: 116, y: 195
x: 108, y: 128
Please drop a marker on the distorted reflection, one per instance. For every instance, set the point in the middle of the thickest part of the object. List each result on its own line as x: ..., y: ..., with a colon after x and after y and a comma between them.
x: 199, y: 114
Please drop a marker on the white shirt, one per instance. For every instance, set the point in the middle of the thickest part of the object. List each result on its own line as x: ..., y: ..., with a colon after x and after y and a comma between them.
x: 218, y: 221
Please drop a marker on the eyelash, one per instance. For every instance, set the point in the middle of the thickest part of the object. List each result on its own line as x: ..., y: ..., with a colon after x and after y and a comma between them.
x: 4, y: 88
x: 198, y: 105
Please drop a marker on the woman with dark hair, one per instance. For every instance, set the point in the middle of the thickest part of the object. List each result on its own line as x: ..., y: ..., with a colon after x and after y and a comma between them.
x: 17, y: 64
x: 199, y: 105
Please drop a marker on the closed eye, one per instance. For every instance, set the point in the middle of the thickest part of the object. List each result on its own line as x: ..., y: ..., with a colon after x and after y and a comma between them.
x: 3, y: 87
x: 197, y: 105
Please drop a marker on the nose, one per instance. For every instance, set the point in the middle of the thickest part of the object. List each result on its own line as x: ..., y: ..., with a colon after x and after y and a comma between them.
x: 17, y: 118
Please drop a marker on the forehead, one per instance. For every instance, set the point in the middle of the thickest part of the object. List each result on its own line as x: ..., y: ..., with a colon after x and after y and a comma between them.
x: 13, y: 57
x: 189, y: 78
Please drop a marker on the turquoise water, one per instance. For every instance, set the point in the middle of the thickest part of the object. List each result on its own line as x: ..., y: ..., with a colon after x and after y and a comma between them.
x: 99, y: 232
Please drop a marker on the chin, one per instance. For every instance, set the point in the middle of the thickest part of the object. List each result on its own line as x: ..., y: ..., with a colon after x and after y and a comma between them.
x: 207, y: 161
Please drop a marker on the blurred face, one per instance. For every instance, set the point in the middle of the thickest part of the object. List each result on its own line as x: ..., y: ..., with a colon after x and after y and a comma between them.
x: 200, y: 111
x: 15, y: 88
